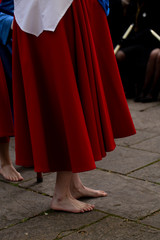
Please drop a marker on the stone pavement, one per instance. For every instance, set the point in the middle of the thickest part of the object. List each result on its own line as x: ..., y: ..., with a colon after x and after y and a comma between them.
x: 130, y: 175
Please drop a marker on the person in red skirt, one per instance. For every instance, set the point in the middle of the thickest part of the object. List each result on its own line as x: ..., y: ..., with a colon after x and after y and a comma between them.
x: 7, y: 169
x: 69, y: 102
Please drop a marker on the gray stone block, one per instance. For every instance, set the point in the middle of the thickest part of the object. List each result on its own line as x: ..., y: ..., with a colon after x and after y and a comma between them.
x: 141, y: 107
x: 17, y: 204
x: 127, y: 197
x: 147, y: 120
x: 125, y: 160
x: 153, y: 220
x: 47, y: 186
x: 150, y: 173
x: 50, y: 226
x: 115, y: 229
x: 140, y: 136
x: 151, y: 145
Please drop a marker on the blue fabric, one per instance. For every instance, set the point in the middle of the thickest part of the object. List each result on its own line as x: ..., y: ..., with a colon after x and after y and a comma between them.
x: 6, y: 18
x: 5, y: 26
x: 105, y: 5
x: 7, y: 6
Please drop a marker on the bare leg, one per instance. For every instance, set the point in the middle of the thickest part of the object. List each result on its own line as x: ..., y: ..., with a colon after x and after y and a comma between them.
x: 62, y: 198
x: 151, y: 84
x: 7, y: 169
x: 78, y: 190
x: 155, y: 84
x: 150, y: 70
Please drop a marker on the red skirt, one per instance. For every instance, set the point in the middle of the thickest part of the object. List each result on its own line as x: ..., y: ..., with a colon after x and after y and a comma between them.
x: 6, y: 123
x: 68, y: 97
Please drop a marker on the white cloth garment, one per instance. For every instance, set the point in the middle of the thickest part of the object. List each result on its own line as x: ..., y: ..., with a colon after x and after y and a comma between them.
x: 35, y: 16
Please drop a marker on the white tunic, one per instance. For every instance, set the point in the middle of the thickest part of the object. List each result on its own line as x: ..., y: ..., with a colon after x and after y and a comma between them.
x: 35, y: 16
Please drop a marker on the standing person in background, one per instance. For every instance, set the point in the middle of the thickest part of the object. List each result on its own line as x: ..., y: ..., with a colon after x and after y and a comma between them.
x: 7, y: 169
x: 120, y: 17
x: 68, y: 97
x: 134, y: 53
x: 151, y: 87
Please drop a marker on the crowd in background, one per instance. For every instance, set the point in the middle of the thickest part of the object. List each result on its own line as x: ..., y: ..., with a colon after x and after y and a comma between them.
x: 138, y: 57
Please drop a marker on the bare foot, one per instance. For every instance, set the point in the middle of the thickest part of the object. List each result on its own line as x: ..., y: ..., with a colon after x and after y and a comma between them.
x: 70, y: 204
x: 10, y: 173
x: 82, y: 191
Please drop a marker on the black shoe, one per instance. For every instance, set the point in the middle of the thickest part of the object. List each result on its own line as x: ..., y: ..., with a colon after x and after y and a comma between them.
x: 149, y: 99
x: 139, y: 98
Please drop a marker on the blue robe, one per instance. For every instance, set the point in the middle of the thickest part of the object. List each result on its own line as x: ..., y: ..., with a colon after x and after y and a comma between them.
x: 105, y: 5
x: 6, y: 18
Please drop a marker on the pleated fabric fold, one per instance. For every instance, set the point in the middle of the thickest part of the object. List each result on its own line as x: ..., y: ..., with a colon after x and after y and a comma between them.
x: 6, y: 122
x: 69, y: 100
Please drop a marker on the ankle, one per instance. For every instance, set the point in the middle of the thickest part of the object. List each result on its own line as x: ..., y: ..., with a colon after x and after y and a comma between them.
x: 75, y: 184
x: 5, y: 163
x: 77, y: 187
x: 59, y: 196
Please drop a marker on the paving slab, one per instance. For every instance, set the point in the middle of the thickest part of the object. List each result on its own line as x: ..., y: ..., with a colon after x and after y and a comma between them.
x: 132, y: 197
x: 124, y: 160
x: 133, y: 106
x: 47, y: 186
x: 50, y: 226
x: 147, y: 120
x: 150, y: 173
x: 153, y: 220
x: 17, y: 204
x: 127, y: 197
x: 115, y: 229
x: 151, y: 145
x: 140, y: 136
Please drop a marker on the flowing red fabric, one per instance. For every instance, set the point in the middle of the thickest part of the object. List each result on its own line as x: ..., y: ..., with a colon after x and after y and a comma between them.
x: 69, y: 100
x: 6, y: 123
